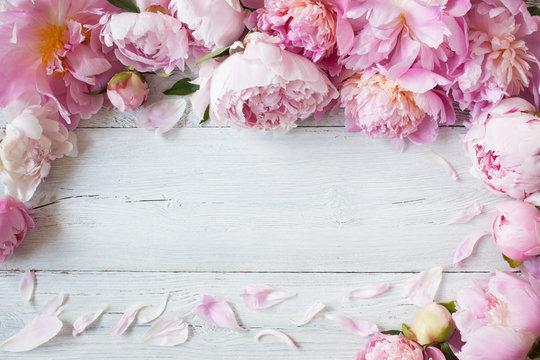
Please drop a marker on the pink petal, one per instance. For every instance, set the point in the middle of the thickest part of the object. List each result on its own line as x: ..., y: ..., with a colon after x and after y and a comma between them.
x: 367, y: 292
x: 27, y: 285
x: 263, y: 296
x: 358, y: 327
x: 217, y: 312
x: 167, y: 331
x: 85, y: 320
x: 422, y: 288
x: 53, y: 306
x: 467, y: 214
x: 466, y: 247
x: 281, y: 336
x: 153, y: 315
x: 420, y: 80
x: 310, y: 314
x: 127, y: 319
x: 162, y: 115
x: 433, y: 353
x: 449, y: 168
x: 40, y: 330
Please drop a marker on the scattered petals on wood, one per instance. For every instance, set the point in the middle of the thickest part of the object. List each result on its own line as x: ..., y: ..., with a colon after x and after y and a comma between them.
x: 41, y: 329
x: 367, y: 292
x: 449, y: 168
x: 53, y: 306
x: 85, y: 320
x: 467, y: 214
x: 278, y: 334
x: 218, y: 312
x: 167, y: 331
x: 263, y: 296
x: 466, y: 247
x: 361, y: 328
x: 127, y: 319
x: 310, y: 314
x: 27, y: 286
x: 162, y: 115
x: 155, y: 313
x: 422, y: 288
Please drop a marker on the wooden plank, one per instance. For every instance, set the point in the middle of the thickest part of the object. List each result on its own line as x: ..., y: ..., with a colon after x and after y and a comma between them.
x: 223, y: 200
x: 319, y: 340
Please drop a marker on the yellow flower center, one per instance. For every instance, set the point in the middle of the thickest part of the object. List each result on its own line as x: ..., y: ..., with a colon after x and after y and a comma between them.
x: 52, y: 40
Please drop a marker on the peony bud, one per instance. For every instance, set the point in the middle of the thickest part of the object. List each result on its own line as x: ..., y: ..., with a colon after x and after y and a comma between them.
x: 432, y: 324
x: 127, y: 90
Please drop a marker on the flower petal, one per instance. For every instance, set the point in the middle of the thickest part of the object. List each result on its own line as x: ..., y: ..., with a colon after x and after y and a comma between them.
x: 53, y: 306
x: 38, y: 331
x: 433, y: 353
x: 310, y: 314
x: 167, y: 331
x: 85, y: 320
x: 217, y: 312
x: 449, y: 168
x: 127, y: 319
x: 358, y: 327
x: 466, y: 247
x: 367, y: 292
x: 422, y: 288
x: 27, y: 285
x: 153, y: 315
x: 467, y: 214
x: 162, y: 115
x: 281, y: 336
x: 263, y: 296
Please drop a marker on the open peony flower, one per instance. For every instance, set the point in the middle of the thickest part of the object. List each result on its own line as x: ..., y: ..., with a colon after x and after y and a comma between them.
x: 406, y: 107
x: 516, y: 230
x: 48, y: 47
x: 149, y: 41
x: 14, y: 222
x: 34, y: 137
x: 499, y: 62
x: 390, y: 347
x: 504, y: 148
x: 498, y: 316
x: 265, y: 88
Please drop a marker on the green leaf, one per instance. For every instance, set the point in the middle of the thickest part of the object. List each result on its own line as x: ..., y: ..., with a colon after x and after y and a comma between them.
x: 164, y: 75
x: 206, y: 115
x: 408, y: 332
x: 128, y: 5
x: 534, y: 10
x: 391, y: 332
x: 98, y: 92
x: 513, y: 263
x: 448, y: 353
x: 182, y: 87
x: 450, y: 306
x: 534, y: 354
x: 214, y: 54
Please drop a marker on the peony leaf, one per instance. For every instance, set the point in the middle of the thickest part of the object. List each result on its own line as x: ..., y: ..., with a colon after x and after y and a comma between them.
x: 534, y: 10
x: 217, y: 312
x: 513, y: 263
x: 153, y: 315
x: 206, y: 115
x: 85, y: 320
x: 310, y: 314
x: 358, y: 327
x: 37, y: 332
x: 278, y: 334
x: 27, y: 285
x: 125, y: 5
x: 127, y: 319
x: 448, y: 353
x: 263, y: 296
x: 167, y: 331
x: 450, y: 306
x: 392, y: 332
x: 214, y: 54
x: 182, y: 87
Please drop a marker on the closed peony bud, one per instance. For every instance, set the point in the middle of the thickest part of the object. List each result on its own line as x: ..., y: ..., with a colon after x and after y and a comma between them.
x: 14, y: 222
x: 432, y: 324
x: 127, y: 91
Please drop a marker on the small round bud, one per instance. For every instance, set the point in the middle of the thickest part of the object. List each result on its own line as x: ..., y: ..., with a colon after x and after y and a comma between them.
x: 432, y: 324
x: 127, y: 91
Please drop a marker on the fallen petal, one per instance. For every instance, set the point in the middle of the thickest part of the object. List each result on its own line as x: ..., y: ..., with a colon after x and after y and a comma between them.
x: 449, y: 168
x: 422, y: 288
x: 310, y: 314
x: 367, y: 292
x: 358, y: 327
x: 53, y: 306
x: 263, y: 296
x: 217, y: 312
x: 27, y: 285
x: 467, y: 214
x: 127, y: 319
x: 433, y: 353
x: 162, y: 115
x: 38, y: 331
x: 278, y: 334
x: 466, y: 247
x: 153, y: 315
x: 85, y: 320
x: 167, y: 331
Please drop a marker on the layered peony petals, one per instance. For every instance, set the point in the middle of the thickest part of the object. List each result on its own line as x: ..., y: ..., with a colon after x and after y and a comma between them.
x: 82, y: 322
x: 263, y: 296
x: 380, y: 347
x: 127, y: 319
x: 14, y: 223
x: 466, y: 247
x: 361, y: 328
x: 27, y: 285
x: 310, y: 314
x: 168, y: 331
x: 278, y: 334
x: 162, y: 115
x: 217, y: 312
x: 422, y: 288
x: 467, y: 214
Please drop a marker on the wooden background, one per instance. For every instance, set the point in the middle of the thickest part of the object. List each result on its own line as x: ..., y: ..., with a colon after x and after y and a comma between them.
x: 206, y: 210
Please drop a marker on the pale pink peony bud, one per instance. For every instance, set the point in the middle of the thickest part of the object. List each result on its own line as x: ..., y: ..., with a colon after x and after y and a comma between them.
x: 432, y: 324
x: 127, y: 91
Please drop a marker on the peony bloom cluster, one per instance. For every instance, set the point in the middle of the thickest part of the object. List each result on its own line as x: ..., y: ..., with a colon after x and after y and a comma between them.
x: 386, y: 347
x: 14, y: 222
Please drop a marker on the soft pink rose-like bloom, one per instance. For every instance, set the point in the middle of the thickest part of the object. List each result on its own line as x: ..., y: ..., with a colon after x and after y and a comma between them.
x: 127, y: 91
x: 499, y: 62
x: 516, y: 230
x: 34, y: 137
x: 48, y: 47
x: 149, y: 41
x: 504, y: 148
x: 14, y: 222
x: 498, y: 318
x: 265, y: 88
x: 396, y: 347
x: 406, y: 107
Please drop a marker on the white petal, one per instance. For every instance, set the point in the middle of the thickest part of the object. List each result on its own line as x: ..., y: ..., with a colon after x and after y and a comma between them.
x: 278, y: 334
x: 85, y: 320
x: 127, y: 319
x: 467, y: 214
x: 449, y: 168
x: 358, y: 327
x: 167, y: 331
x: 218, y: 312
x: 466, y: 247
x: 53, y: 306
x: 153, y: 315
x: 367, y: 292
x: 27, y: 285
x: 422, y: 288
x: 162, y: 115
x: 40, y: 330
x: 310, y: 314
x: 263, y: 296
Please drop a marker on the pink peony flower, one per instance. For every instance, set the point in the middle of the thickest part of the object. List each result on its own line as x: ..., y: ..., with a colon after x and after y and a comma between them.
x: 14, y: 222
x: 499, y: 62
x: 265, y: 88
x: 516, y: 230
x: 127, y: 91
x: 396, y: 347
x: 149, y: 41
x: 504, y: 148
x: 34, y: 137
x: 406, y: 107
x: 498, y: 318
x: 48, y: 47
